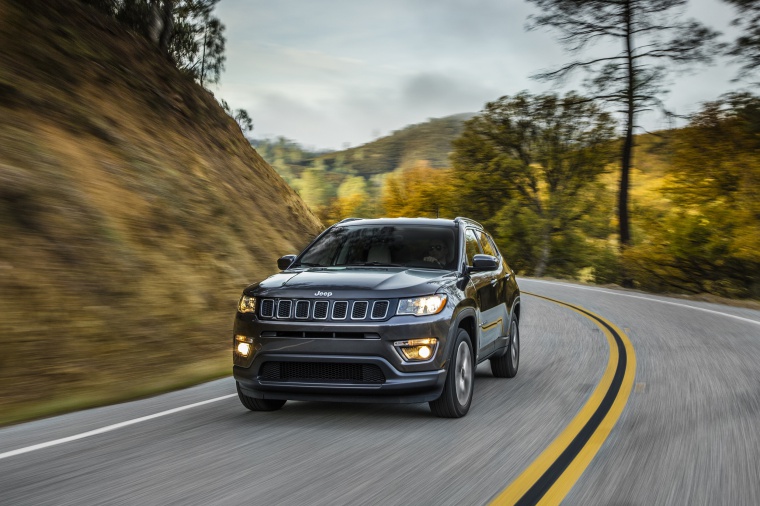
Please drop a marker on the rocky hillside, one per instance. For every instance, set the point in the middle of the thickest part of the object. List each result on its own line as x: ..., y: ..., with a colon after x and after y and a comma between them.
x: 132, y: 213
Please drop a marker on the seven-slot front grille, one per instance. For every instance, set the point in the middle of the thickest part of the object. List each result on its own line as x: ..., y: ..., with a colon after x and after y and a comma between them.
x: 321, y: 372
x: 320, y: 309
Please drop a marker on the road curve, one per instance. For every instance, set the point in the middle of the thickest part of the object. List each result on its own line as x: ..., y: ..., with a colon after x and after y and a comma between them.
x: 688, y: 434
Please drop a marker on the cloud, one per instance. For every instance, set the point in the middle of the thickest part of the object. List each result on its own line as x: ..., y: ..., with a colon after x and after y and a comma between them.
x: 324, y: 73
x: 442, y: 92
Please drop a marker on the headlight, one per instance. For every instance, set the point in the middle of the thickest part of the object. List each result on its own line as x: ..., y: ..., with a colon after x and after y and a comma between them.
x: 417, y: 350
x: 420, y: 306
x: 247, y: 304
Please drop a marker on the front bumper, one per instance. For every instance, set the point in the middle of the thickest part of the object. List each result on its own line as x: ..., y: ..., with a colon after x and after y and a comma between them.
x: 403, y: 382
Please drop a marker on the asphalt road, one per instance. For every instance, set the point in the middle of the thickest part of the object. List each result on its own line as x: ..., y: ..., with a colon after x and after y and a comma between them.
x: 689, y: 434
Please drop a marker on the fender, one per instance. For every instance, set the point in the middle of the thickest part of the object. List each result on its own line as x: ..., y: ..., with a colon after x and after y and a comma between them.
x: 515, y: 304
x: 463, y: 311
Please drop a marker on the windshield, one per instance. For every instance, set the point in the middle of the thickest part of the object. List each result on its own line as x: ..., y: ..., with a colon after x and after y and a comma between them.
x: 382, y: 245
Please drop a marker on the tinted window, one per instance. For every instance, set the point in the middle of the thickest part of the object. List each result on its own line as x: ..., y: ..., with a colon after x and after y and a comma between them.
x: 471, y: 245
x: 488, y: 247
x: 402, y: 245
x: 494, y: 246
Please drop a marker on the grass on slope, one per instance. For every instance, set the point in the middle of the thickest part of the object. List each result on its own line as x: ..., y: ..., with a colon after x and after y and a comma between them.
x: 132, y: 213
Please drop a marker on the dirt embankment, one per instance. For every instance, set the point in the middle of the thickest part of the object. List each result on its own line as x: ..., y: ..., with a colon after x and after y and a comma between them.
x: 132, y: 213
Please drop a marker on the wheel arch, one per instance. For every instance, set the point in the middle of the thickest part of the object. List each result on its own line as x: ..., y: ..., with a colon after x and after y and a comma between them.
x: 516, y: 309
x: 467, y: 320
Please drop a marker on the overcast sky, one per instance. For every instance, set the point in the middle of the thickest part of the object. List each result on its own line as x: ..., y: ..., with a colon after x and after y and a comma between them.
x: 335, y: 73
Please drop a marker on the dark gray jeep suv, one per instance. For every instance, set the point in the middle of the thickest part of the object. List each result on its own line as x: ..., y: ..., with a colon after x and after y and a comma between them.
x: 380, y: 310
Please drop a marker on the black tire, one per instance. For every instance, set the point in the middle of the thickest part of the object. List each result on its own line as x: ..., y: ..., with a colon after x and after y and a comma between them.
x: 506, y: 365
x: 456, y: 397
x: 258, y: 404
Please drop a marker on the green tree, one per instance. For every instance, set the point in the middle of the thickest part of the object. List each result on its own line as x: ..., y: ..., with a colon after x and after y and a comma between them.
x: 636, y: 43
x: 198, y: 42
x: 316, y: 190
x: 185, y: 30
x: 538, y: 156
x: 244, y: 121
x: 240, y: 116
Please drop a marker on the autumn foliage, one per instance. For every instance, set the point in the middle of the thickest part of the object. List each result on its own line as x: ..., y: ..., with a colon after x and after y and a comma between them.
x: 540, y: 172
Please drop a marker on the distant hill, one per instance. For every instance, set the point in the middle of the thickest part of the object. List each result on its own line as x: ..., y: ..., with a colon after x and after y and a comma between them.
x: 430, y: 141
x: 132, y: 213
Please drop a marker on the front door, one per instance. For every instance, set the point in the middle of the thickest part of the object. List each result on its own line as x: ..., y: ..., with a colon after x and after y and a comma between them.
x: 491, y: 322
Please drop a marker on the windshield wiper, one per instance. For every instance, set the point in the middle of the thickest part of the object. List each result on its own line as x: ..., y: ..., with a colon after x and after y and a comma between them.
x: 307, y: 264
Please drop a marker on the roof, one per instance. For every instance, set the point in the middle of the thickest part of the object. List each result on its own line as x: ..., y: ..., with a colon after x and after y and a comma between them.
x: 440, y: 222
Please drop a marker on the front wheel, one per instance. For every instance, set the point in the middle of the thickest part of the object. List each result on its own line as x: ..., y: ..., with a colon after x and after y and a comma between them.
x: 456, y: 397
x: 506, y: 365
x: 258, y: 404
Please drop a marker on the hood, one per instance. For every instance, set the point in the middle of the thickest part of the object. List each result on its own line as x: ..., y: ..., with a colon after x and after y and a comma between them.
x: 352, y: 282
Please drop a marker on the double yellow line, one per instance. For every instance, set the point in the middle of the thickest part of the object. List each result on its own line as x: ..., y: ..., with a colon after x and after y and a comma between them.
x: 549, y: 478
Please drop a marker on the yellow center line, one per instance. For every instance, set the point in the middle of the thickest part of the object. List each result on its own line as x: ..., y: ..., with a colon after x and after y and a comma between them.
x: 562, y: 485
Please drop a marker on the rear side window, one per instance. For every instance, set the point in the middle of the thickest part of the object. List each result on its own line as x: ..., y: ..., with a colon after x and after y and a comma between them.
x: 471, y: 245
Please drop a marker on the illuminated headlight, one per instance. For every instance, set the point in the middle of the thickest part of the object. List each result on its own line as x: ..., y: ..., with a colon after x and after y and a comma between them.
x: 417, y: 350
x: 420, y: 306
x: 243, y: 346
x: 247, y: 304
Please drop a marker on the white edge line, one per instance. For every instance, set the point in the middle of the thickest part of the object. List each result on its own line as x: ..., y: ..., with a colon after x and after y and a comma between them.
x: 613, y: 292
x: 108, y: 428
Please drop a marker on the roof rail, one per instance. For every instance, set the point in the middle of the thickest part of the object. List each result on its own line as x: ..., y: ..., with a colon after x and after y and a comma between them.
x: 468, y: 220
x: 349, y: 219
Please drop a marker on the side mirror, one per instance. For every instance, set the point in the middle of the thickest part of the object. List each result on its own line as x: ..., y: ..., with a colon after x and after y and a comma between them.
x: 284, y: 262
x: 482, y: 263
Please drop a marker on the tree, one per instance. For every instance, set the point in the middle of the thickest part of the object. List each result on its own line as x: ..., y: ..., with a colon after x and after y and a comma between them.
x: 244, y: 121
x: 538, y: 156
x: 709, y: 239
x: 198, y: 42
x: 648, y: 39
x: 240, y: 116
x: 184, y: 30
x: 353, y: 199
x: 315, y: 189
x: 418, y: 190
x: 746, y: 47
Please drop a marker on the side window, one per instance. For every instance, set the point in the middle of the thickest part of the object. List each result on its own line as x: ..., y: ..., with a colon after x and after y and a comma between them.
x: 488, y: 246
x: 472, y: 247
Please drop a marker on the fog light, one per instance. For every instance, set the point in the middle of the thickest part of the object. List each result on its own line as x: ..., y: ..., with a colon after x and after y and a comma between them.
x: 417, y: 350
x: 244, y: 345
x: 244, y: 349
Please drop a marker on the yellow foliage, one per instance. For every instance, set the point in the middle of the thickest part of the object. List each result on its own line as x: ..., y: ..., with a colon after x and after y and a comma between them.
x: 418, y: 191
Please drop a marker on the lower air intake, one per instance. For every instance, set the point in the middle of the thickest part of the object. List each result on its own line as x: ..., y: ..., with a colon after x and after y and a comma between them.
x: 321, y: 372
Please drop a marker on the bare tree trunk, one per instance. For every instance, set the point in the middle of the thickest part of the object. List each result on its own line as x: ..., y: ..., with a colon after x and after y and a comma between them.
x: 543, y: 258
x: 156, y: 24
x: 627, y: 155
x: 203, y: 56
x: 167, y: 26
